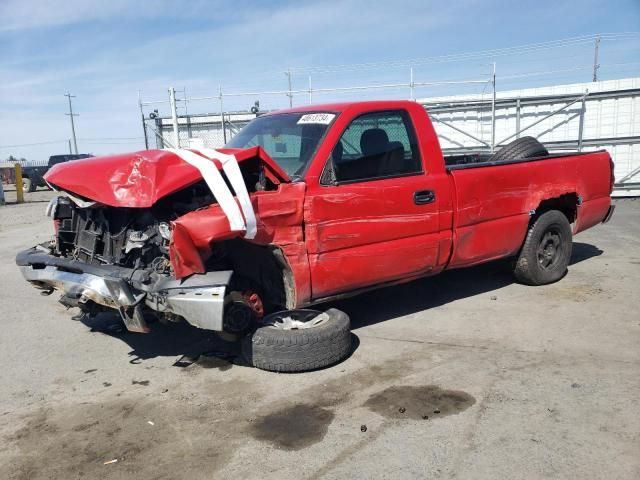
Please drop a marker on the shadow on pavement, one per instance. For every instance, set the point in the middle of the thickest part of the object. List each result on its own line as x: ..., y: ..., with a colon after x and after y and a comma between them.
x: 173, y: 340
x: 583, y: 251
x: 419, y: 295
x: 191, y: 344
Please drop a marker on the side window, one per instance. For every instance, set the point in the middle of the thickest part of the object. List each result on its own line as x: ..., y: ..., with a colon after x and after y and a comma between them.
x: 377, y: 145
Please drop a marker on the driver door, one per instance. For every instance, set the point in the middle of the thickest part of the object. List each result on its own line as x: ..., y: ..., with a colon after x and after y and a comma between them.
x: 376, y: 220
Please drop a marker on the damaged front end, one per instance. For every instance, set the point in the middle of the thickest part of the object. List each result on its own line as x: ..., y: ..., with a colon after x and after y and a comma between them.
x: 105, y: 258
x: 175, y: 256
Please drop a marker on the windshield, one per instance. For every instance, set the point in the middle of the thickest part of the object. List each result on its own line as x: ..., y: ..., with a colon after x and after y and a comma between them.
x: 289, y: 138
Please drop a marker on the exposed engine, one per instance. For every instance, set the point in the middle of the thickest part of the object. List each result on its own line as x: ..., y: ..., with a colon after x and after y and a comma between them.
x: 112, y: 236
x: 128, y: 237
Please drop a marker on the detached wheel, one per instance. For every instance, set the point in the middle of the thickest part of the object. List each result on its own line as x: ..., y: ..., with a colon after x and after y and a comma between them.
x: 546, y: 251
x: 299, y: 340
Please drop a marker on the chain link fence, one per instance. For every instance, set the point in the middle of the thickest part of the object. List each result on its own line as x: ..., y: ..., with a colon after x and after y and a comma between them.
x: 199, y: 130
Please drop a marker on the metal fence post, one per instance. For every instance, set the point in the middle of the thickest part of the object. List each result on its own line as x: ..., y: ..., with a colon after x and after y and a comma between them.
x: 19, y: 184
x: 411, y: 84
x: 159, y: 134
x: 518, y: 117
x: 581, y: 124
x: 493, y: 110
x: 174, y: 116
x: 290, y: 94
x: 224, y: 130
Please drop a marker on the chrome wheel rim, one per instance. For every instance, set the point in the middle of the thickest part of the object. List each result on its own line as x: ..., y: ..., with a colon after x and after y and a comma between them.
x: 295, y: 319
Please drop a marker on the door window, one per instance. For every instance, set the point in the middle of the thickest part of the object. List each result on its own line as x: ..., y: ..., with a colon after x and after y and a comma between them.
x: 377, y: 145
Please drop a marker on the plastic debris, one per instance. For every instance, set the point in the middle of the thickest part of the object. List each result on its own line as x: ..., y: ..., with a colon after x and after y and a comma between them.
x: 108, y: 462
x: 150, y: 422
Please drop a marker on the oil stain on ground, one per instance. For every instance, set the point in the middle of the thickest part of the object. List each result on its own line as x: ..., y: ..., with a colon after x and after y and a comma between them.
x: 293, y: 428
x: 74, y: 441
x: 418, y: 402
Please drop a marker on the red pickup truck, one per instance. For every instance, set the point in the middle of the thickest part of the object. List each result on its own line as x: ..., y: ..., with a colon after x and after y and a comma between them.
x: 303, y: 206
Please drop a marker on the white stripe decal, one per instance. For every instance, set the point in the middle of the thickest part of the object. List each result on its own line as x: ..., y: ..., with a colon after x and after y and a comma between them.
x: 232, y: 170
x: 216, y: 183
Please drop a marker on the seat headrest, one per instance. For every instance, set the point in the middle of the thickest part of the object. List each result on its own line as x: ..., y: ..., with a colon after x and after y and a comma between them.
x: 374, y: 142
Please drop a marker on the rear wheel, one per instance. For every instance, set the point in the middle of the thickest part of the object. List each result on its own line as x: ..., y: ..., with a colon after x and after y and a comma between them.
x: 299, y: 340
x: 546, y: 251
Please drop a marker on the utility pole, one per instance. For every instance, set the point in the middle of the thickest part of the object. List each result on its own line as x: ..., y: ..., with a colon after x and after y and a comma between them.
x: 73, y: 127
x: 144, y: 123
x: 290, y: 95
x: 596, y: 59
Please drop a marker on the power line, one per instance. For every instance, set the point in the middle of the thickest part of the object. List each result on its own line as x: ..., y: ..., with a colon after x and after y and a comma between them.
x: 34, y: 144
x: 527, y: 48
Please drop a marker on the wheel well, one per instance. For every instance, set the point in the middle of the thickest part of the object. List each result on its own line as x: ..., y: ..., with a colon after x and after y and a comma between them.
x: 567, y: 204
x: 256, y: 267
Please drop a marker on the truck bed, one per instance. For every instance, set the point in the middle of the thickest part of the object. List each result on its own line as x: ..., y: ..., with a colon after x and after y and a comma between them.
x: 483, y: 159
x: 493, y: 204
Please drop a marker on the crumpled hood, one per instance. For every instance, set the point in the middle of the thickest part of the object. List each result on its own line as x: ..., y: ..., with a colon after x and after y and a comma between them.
x: 139, y: 179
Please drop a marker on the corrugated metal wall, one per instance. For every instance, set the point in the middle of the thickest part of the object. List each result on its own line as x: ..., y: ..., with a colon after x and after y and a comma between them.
x: 611, y: 121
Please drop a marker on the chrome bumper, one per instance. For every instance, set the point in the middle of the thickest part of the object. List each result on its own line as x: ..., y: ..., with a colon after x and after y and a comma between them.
x: 199, y: 299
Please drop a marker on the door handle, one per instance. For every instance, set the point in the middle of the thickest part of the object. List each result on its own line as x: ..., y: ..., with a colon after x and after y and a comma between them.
x: 422, y: 197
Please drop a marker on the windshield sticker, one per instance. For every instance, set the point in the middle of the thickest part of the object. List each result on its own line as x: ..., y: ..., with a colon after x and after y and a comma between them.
x: 317, y: 118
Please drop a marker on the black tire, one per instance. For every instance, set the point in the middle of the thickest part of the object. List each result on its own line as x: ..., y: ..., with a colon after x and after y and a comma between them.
x: 525, y: 147
x: 546, y: 250
x: 299, y: 350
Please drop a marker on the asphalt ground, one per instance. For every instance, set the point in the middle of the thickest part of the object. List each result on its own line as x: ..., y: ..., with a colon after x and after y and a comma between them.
x: 464, y: 375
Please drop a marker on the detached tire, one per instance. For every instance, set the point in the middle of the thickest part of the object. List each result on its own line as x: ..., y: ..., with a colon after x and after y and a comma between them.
x: 299, y: 341
x: 525, y: 147
x: 546, y: 250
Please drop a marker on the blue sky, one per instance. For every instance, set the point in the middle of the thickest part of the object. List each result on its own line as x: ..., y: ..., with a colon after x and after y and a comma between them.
x: 104, y: 52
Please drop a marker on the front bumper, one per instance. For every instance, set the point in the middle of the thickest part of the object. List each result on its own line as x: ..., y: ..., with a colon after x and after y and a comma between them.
x: 199, y: 299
